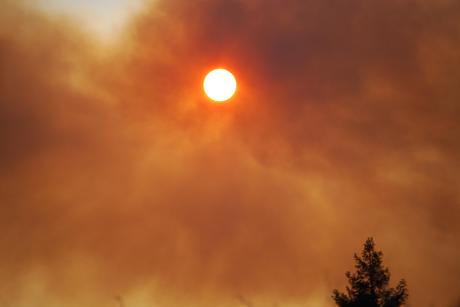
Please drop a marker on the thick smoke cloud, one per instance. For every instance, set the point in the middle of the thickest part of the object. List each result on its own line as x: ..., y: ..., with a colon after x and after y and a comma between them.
x: 119, y: 178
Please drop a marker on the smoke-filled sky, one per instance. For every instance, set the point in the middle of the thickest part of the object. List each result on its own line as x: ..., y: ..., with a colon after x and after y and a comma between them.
x: 119, y: 178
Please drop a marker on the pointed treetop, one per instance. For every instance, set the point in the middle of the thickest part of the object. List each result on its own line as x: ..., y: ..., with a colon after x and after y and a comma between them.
x: 368, y: 286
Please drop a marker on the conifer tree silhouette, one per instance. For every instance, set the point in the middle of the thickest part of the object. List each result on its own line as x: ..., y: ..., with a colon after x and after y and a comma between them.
x: 369, y: 284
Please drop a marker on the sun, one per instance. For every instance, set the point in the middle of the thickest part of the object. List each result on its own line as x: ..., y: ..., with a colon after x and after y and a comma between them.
x: 219, y: 85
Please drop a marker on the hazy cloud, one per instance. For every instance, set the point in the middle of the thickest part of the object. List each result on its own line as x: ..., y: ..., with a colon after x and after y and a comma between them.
x: 118, y: 177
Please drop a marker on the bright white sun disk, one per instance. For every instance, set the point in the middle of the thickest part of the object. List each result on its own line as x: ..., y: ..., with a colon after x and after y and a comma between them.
x: 219, y: 85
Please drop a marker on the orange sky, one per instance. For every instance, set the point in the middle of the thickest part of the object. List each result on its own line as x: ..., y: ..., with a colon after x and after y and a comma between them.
x: 119, y: 178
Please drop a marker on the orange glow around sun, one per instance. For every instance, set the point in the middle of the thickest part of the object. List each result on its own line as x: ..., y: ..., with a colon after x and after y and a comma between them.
x: 219, y: 85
